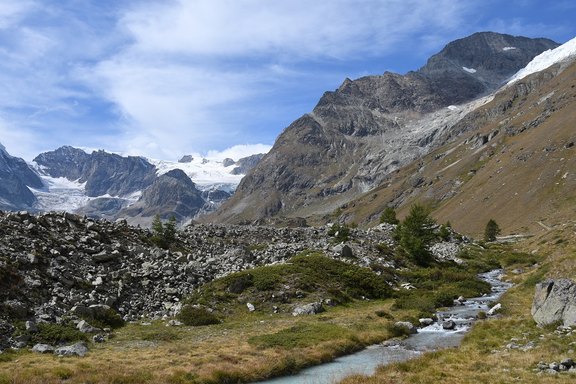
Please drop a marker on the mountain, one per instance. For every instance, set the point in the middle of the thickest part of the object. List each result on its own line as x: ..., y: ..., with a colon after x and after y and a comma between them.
x: 171, y: 194
x: 360, y: 134
x: 511, y: 160
x: 104, y: 173
x: 111, y: 186
x: 16, y: 177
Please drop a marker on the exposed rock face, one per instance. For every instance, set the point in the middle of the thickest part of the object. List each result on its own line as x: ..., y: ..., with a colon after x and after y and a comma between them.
x: 368, y: 128
x: 480, y: 63
x: 555, y: 301
x: 104, y: 173
x: 172, y: 194
x: 245, y: 164
x: 15, y: 178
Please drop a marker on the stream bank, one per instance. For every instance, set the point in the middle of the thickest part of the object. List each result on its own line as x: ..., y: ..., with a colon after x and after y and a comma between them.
x: 430, y: 338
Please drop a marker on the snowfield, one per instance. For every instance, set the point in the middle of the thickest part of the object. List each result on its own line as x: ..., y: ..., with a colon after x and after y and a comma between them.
x: 547, y: 59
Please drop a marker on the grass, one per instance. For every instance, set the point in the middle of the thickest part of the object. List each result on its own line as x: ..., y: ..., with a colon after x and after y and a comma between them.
x: 484, y: 356
x: 253, y: 346
x: 308, y: 277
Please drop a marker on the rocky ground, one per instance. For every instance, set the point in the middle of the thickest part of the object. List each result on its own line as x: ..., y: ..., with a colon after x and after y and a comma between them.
x: 52, y: 262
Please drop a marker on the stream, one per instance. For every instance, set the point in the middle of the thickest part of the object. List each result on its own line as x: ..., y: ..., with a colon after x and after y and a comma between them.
x: 430, y: 338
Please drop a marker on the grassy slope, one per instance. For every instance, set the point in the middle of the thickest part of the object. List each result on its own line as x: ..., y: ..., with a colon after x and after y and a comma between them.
x: 484, y: 356
x: 518, y: 179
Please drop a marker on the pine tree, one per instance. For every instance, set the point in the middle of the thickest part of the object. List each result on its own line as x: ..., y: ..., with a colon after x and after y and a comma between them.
x: 416, y: 233
x: 389, y: 216
x: 491, y: 231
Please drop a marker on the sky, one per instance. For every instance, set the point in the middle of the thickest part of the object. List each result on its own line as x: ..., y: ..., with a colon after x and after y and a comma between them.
x: 219, y: 78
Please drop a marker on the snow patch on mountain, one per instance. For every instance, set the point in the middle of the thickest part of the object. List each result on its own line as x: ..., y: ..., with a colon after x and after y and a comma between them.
x: 60, y: 194
x: 206, y: 174
x: 509, y: 48
x: 547, y: 59
x: 469, y: 70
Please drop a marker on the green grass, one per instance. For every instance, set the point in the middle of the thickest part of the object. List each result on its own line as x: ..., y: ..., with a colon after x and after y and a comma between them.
x: 308, y: 276
x: 301, y: 336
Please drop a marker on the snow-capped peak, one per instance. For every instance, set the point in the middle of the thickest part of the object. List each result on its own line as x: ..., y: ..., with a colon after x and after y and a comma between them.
x: 547, y: 59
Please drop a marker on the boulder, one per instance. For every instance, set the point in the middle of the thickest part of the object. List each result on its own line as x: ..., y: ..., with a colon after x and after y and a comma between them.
x: 308, y: 309
x: 78, y: 349
x: 406, y: 325
x: 84, y: 327
x: 424, y: 322
x: 43, y: 348
x: 555, y: 301
x: 449, y: 325
x: 494, y: 309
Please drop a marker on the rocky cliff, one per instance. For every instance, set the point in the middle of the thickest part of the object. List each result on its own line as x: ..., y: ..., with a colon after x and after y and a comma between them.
x: 358, y: 135
x: 15, y: 178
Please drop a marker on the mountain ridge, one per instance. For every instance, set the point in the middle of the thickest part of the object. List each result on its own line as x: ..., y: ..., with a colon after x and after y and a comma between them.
x: 368, y: 128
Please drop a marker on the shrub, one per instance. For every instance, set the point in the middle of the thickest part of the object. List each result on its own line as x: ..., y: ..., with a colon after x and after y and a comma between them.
x: 163, y: 235
x: 340, y: 232
x: 396, y: 330
x: 389, y: 216
x: 195, y: 316
x: 382, y: 313
x: 107, y: 318
x: 55, y: 334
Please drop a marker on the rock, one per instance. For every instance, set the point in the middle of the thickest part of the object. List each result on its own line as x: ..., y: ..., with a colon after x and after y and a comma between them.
x: 424, y: 322
x: 81, y: 311
x: 347, y: 252
x: 494, y: 309
x: 251, y: 307
x: 554, y: 301
x: 410, y: 328
x: 84, y: 327
x: 449, y: 325
x: 43, y: 348
x: 568, y: 362
x: 308, y: 309
x: 174, y: 323
x: 78, y: 349
x: 98, y: 338
x: 31, y: 326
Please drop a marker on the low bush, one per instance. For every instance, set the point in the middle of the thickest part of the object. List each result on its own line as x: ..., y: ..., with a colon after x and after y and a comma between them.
x: 105, y: 318
x: 55, y: 334
x: 195, y: 316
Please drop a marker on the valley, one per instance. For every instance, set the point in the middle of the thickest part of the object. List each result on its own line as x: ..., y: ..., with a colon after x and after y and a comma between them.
x: 365, y: 221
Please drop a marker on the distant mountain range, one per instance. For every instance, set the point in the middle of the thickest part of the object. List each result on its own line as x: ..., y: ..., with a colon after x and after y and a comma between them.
x: 107, y: 185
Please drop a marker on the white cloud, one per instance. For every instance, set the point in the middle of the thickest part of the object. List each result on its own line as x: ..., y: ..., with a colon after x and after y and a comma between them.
x: 196, y: 72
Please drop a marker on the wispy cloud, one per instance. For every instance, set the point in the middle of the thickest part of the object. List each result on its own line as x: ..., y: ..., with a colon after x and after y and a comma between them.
x: 166, y: 78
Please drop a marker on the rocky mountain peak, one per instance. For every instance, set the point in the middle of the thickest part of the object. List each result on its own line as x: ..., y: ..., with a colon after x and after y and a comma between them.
x: 359, y: 134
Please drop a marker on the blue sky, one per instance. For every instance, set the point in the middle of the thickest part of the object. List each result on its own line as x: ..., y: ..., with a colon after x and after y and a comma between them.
x: 167, y: 78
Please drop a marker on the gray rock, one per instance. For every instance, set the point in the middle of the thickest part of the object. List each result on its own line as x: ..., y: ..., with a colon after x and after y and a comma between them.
x: 347, y: 252
x: 31, y: 326
x: 554, y: 301
x: 43, y: 348
x: 84, y: 327
x: 568, y: 362
x: 424, y: 322
x: 251, y: 307
x: 406, y: 325
x: 308, y: 309
x: 98, y: 338
x: 78, y: 349
x: 449, y: 325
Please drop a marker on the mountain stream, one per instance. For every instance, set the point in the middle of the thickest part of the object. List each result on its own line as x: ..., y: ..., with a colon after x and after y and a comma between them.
x: 430, y: 338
